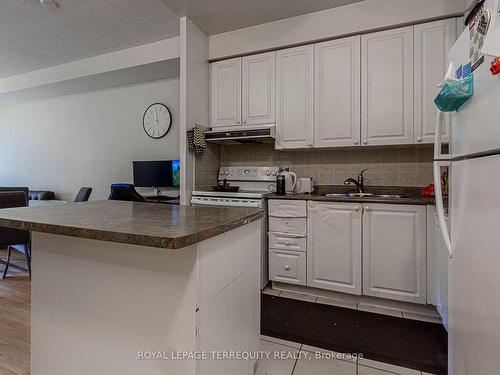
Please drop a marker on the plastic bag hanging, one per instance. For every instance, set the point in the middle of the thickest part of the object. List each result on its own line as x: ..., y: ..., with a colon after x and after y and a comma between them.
x: 454, y: 94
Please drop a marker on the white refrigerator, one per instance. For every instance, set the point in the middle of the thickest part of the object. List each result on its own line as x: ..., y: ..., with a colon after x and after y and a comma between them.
x: 473, y: 238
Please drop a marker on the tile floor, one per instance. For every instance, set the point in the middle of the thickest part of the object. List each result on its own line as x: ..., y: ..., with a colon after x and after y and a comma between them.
x: 290, y: 358
x: 392, y: 308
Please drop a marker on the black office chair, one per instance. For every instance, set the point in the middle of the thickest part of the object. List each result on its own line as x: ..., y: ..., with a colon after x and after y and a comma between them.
x: 14, y: 239
x: 83, y: 195
x: 125, y: 192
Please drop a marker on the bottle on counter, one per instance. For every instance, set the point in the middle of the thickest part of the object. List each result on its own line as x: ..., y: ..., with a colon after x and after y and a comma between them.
x: 280, y: 184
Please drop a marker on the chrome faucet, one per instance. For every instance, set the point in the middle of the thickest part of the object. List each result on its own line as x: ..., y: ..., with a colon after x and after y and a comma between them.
x: 360, y: 183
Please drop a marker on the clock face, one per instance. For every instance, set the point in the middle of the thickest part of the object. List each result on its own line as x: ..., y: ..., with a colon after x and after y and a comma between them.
x: 157, y: 120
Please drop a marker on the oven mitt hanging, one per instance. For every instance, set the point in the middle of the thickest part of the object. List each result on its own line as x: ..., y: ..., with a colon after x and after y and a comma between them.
x: 196, y: 141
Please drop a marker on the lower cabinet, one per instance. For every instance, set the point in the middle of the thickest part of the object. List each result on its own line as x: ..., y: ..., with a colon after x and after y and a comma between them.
x: 394, y: 252
x: 377, y: 250
x: 334, y: 246
x: 287, y: 266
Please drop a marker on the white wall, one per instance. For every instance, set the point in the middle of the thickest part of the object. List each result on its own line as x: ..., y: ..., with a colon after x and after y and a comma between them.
x: 331, y: 23
x: 194, y: 96
x: 87, y: 139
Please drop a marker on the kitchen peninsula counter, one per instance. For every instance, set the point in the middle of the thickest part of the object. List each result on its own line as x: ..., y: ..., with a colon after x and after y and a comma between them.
x: 114, y: 282
x: 136, y: 223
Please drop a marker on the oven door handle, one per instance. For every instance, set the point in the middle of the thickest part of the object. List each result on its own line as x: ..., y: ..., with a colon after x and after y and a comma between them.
x: 225, y: 203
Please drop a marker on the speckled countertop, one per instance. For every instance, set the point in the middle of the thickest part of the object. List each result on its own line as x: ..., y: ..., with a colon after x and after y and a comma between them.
x: 409, y: 195
x: 156, y: 225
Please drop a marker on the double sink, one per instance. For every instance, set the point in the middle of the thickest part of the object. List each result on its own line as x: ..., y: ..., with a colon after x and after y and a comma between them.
x: 363, y: 195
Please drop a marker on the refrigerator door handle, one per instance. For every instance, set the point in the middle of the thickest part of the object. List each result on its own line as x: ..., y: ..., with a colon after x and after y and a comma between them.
x: 438, y: 140
x: 439, y: 203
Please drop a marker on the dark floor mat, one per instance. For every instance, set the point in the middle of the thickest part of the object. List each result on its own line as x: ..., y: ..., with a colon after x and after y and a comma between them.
x: 398, y: 341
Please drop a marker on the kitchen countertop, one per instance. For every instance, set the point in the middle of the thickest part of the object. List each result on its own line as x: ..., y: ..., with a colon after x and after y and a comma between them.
x: 318, y: 197
x: 147, y: 224
x: 408, y: 195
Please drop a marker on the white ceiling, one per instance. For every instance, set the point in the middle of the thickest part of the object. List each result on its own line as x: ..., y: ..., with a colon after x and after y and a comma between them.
x: 218, y: 16
x: 33, y: 37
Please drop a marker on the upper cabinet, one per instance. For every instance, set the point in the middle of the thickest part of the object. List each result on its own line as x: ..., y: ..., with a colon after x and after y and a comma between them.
x: 432, y: 43
x: 387, y: 87
x: 258, y: 89
x: 337, y: 92
x: 370, y: 90
x: 225, y: 98
x: 243, y: 91
x: 294, y: 97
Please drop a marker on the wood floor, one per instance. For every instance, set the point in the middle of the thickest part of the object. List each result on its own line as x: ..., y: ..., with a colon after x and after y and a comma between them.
x: 15, y: 319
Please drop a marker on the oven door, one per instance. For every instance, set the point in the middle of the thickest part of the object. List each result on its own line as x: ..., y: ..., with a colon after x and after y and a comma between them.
x: 226, y: 202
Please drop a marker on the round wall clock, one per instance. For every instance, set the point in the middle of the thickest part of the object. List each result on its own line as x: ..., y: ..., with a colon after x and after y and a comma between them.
x: 157, y: 120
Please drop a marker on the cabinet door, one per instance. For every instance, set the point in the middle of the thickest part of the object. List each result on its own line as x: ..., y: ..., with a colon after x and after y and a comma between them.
x: 387, y: 87
x: 294, y: 97
x: 432, y: 43
x: 225, y: 92
x: 337, y: 93
x: 258, y: 89
x: 394, y: 252
x: 334, y: 246
x: 287, y: 266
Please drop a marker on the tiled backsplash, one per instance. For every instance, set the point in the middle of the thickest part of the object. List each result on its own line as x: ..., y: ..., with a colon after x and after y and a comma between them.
x: 388, y: 166
x: 207, y: 167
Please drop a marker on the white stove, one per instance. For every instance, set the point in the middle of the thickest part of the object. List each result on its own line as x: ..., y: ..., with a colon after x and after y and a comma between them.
x: 254, y: 183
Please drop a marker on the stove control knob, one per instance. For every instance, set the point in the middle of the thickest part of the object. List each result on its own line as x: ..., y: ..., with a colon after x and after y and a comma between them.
x: 226, y: 173
x: 274, y: 173
x: 268, y: 173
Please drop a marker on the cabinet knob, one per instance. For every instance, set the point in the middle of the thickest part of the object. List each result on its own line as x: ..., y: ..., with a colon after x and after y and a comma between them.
x: 356, y: 142
x: 310, y: 144
x: 367, y: 208
x: 237, y: 122
x: 419, y: 139
x: 365, y: 142
x: 244, y: 122
x: 357, y: 208
x: 287, y: 267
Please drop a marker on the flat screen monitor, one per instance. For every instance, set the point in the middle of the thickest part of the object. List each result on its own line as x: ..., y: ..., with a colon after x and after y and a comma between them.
x: 157, y: 173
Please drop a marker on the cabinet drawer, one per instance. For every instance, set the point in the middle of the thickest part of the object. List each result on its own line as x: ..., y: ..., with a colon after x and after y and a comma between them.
x: 296, y: 225
x: 287, y: 208
x: 288, y: 266
x: 287, y: 241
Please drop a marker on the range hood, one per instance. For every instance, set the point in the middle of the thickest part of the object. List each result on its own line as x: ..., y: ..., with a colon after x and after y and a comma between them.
x: 240, y: 134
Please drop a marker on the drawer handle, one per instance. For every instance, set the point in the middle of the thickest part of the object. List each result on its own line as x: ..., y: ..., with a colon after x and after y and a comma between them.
x: 287, y: 267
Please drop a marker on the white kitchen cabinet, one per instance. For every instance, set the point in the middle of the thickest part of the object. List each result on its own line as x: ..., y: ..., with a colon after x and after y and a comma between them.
x: 337, y: 92
x: 258, y: 89
x: 394, y: 252
x: 432, y: 43
x: 295, y: 97
x: 225, y: 96
x: 334, y: 246
x: 287, y: 266
x: 387, y: 87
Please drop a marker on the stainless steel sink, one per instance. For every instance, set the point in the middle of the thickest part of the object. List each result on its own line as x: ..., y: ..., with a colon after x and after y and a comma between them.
x: 387, y: 196
x: 350, y: 195
x: 363, y: 195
